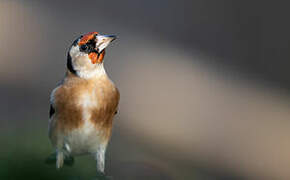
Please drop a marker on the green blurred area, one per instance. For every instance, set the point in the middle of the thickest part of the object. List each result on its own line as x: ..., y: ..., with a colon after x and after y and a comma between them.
x: 23, y: 155
x: 24, y: 150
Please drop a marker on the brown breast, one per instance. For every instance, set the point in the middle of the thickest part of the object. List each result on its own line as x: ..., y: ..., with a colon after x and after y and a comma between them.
x: 68, y: 103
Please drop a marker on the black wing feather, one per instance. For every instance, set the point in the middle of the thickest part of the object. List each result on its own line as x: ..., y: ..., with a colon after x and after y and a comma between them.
x: 51, y: 111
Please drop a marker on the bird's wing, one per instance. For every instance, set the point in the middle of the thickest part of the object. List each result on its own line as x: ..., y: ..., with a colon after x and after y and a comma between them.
x: 52, y: 120
x: 51, y: 111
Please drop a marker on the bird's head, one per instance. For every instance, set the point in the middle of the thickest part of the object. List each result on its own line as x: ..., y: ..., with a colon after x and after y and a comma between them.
x: 86, y: 54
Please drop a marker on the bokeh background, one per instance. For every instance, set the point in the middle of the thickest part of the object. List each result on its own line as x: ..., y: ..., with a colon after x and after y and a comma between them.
x: 205, y: 87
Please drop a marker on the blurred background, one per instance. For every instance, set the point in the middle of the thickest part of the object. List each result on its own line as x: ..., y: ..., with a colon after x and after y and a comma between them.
x: 205, y: 87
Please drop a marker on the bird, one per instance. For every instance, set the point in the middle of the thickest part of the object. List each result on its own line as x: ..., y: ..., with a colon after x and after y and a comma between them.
x: 83, y: 105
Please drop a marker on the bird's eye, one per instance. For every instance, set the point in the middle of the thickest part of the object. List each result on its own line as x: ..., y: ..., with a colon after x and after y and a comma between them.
x: 84, y: 47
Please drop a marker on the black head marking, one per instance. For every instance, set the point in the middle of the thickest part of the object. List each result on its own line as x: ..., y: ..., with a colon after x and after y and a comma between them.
x: 76, y: 41
x: 88, y: 47
x: 84, y: 47
x: 69, y: 60
x: 69, y: 64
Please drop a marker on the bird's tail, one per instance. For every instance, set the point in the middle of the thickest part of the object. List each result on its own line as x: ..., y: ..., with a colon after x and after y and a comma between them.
x: 60, y: 158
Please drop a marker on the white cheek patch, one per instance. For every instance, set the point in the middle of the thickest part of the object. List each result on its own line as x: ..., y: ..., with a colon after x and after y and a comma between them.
x: 80, y: 60
x: 83, y: 65
x: 75, y: 52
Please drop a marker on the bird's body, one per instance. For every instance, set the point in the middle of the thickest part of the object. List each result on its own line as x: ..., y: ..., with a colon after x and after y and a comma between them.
x: 87, y: 109
x: 82, y: 109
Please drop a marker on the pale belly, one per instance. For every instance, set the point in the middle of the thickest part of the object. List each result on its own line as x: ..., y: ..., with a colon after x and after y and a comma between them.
x: 84, y: 140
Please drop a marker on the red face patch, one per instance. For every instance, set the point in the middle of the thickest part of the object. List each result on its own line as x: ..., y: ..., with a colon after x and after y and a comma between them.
x: 97, y: 58
x: 87, y: 37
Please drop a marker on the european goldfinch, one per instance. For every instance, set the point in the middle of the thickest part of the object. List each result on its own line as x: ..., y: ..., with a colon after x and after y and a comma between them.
x: 83, y: 106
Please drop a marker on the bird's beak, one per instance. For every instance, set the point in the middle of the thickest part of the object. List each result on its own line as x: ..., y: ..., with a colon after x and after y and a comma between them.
x: 102, y: 41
